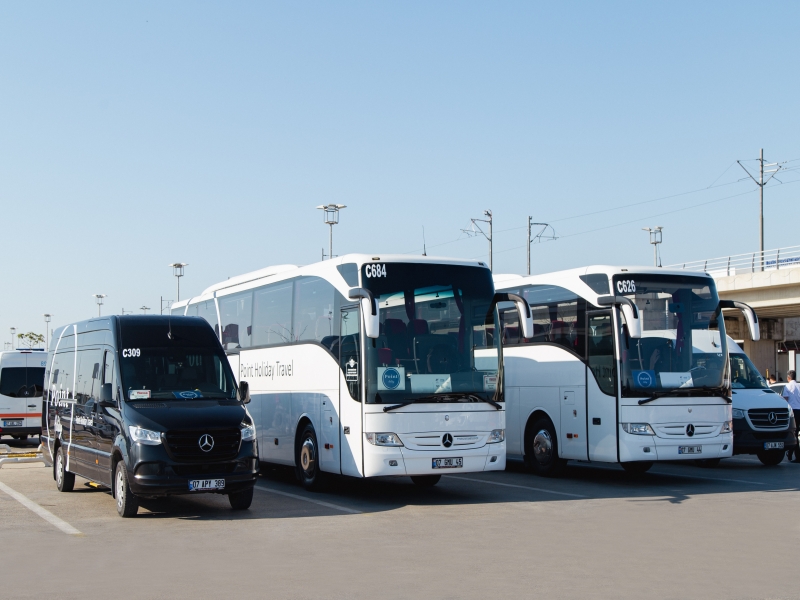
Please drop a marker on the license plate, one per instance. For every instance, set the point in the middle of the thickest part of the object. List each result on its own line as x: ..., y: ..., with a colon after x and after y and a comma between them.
x: 196, y: 485
x: 690, y: 449
x: 448, y: 463
x: 12, y: 423
x: 773, y: 445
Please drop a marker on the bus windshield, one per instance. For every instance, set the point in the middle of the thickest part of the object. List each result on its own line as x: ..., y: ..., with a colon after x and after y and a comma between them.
x: 437, y: 334
x: 175, y: 359
x: 678, y: 350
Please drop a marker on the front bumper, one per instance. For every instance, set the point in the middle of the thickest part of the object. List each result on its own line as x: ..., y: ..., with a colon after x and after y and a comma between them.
x: 750, y: 441
x: 160, y: 479
x: 654, y: 448
x: 385, y: 461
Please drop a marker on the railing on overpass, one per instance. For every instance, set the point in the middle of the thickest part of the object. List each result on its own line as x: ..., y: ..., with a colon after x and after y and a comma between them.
x: 737, y: 264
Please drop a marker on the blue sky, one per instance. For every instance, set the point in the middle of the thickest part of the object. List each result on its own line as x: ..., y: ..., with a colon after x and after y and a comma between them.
x: 133, y: 136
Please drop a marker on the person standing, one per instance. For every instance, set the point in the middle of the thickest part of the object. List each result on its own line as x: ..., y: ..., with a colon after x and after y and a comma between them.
x: 791, y: 393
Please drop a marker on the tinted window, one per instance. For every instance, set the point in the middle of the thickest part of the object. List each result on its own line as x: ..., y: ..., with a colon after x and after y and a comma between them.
x: 236, y: 312
x: 89, y: 380
x: 63, y: 372
x: 598, y: 282
x: 206, y: 310
x: 349, y: 272
x: 313, y: 309
x: 21, y: 382
x: 744, y: 374
x: 272, y: 319
x: 601, y: 352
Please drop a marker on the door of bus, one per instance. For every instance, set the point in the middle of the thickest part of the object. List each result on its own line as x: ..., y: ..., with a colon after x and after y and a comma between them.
x: 601, y: 386
x: 351, y: 380
x: 35, y: 363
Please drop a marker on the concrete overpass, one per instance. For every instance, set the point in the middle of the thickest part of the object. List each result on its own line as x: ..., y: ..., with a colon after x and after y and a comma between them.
x: 770, y: 283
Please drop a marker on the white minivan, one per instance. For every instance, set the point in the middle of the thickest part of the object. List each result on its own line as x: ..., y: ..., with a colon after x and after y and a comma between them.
x: 21, y: 384
x: 763, y: 424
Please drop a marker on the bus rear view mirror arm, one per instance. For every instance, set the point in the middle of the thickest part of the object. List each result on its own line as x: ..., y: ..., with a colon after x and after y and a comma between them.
x: 369, y: 307
x: 523, y: 308
x: 630, y: 311
x: 749, y: 315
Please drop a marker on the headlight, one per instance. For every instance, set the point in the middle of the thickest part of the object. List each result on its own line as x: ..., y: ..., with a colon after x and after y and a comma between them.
x: 497, y: 435
x: 738, y: 413
x: 638, y: 428
x: 248, y: 432
x: 383, y: 439
x: 727, y: 427
x: 145, y: 436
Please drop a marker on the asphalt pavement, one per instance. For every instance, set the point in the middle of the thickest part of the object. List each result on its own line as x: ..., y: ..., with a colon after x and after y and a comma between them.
x: 679, y: 531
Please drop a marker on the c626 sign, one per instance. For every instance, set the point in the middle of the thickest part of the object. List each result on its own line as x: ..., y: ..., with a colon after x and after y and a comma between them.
x: 375, y: 270
x: 131, y: 352
x: 626, y: 286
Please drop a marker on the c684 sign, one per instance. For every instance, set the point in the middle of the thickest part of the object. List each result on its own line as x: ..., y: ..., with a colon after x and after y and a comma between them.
x: 626, y: 286
x: 375, y: 270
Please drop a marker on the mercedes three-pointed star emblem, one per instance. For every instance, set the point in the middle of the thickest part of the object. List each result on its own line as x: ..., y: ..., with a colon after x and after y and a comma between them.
x: 447, y: 440
x: 773, y: 418
x: 206, y: 443
x: 690, y: 430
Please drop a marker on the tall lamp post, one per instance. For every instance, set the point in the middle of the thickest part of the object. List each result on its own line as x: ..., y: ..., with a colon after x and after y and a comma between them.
x: 13, y: 331
x: 144, y: 309
x: 331, y: 219
x: 99, y: 299
x: 655, y: 239
x: 47, y: 318
x: 177, y: 270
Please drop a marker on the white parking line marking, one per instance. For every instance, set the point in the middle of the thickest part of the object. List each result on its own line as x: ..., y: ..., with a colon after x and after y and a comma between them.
x: 42, y: 512
x: 352, y: 511
x: 521, y: 487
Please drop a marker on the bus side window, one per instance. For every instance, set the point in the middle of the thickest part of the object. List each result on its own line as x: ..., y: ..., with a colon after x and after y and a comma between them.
x: 601, y: 352
x: 236, y: 314
x: 108, y: 371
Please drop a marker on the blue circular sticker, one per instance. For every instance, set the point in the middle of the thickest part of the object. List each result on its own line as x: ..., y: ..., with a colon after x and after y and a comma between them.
x: 391, y: 378
x: 644, y: 379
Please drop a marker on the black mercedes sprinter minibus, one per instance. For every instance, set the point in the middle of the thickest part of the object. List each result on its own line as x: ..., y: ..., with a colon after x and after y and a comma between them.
x: 147, y: 406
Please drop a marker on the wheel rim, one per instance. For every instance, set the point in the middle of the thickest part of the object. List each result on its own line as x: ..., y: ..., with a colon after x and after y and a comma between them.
x: 543, y: 447
x: 120, y: 489
x: 59, y: 469
x: 307, y: 461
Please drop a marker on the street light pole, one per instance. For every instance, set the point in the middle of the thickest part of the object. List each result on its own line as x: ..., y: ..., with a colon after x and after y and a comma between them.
x: 144, y: 309
x: 331, y: 216
x: 655, y: 239
x: 13, y: 331
x: 177, y: 270
x: 99, y: 300
x: 47, y: 318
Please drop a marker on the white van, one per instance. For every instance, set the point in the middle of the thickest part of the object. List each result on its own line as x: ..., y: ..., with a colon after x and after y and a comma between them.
x: 762, y: 422
x: 21, y: 384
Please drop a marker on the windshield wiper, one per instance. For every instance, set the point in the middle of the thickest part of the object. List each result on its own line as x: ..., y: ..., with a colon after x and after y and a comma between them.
x: 444, y: 397
x: 677, y: 391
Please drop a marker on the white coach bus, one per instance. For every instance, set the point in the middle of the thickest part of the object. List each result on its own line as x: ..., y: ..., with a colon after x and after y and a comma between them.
x: 367, y: 365
x: 626, y: 365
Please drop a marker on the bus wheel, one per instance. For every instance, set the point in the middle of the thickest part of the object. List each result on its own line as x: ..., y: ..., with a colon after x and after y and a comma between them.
x: 307, y: 460
x: 637, y: 467
x: 708, y: 462
x: 542, y: 449
x: 65, y: 480
x: 426, y: 480
x: 770, y: 457
x: 127, y: 503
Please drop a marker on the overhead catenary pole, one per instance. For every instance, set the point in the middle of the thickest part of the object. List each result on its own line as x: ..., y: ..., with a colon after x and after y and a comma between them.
x: 761, y: 183
x: 538, y: 237
x: 471, y: 232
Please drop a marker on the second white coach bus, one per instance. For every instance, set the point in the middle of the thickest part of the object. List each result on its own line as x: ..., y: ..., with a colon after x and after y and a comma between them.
x: 625, y: 365
x: 367, y: 365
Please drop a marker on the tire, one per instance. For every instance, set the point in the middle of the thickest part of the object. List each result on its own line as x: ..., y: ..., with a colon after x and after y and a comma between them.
x: 541, y: 449
x: 708, y: 463
x: 65, y: 481
x: 241, y: 500
x: 770, y: 457
x: 127, y: 503
x: 307, y: 460
x: 425, y: 481
x: 637, y: 467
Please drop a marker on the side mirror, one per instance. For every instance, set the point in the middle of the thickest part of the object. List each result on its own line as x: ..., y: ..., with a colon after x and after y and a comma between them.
x: 525, y: 315
x: 369, y: 308
x: 107, y: 396
x: 749, y: 315
x: 244, y: 392
x: 628, y: 309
